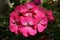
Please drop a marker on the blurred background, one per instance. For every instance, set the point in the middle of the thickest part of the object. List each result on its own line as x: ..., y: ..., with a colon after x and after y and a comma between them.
x: 51, y: 33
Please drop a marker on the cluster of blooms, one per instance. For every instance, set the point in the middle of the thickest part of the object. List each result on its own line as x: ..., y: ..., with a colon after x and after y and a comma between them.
x: 28, y: 19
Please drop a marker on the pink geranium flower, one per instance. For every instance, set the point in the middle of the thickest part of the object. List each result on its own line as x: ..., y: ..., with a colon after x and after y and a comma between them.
x: 38, y: 1
x: 28, y: 19
x: 50, y: 16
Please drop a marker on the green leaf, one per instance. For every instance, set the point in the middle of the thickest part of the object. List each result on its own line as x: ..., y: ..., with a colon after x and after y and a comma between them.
x: 44, y: 1
x: 21, y: 1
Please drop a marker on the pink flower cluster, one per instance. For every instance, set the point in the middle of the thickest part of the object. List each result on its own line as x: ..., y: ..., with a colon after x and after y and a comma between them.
x: 28, y: 19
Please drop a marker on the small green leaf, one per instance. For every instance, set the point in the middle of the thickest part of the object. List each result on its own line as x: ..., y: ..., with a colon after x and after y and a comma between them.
x: 44, y: 1
x: 21, y: 1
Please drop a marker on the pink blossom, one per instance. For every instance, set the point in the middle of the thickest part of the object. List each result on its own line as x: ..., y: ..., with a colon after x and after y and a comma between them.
x: 37, y: 1
x: 50, y: 16
x: 28, y: 19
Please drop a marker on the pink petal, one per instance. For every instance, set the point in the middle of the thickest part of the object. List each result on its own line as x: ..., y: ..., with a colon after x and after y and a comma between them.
x: 14, y: 16
x: 14, y: 13
x: 42, y: 9
x: 41, y: 27
x: 28, y: 14
x: 30, y: 5
x: 11, y: 20
x: 30, y: 21
x: 25, y: 32
x: 50, y: 16
x: 44, y: 21
x: 31, y: 31
x: 35, y: 9
x: 21, y: 8
x: 49, y: 13
x: 23, y: 21
x: 39, y: 16
x: 16, y: 32
x: 18, y: 7
x: 13, y: 28
x: 20, y: 29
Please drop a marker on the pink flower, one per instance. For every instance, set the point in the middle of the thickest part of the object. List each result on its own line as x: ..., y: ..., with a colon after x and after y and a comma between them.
x: 50, y: 16
x: 37, y: 1
x: 28, y: 19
